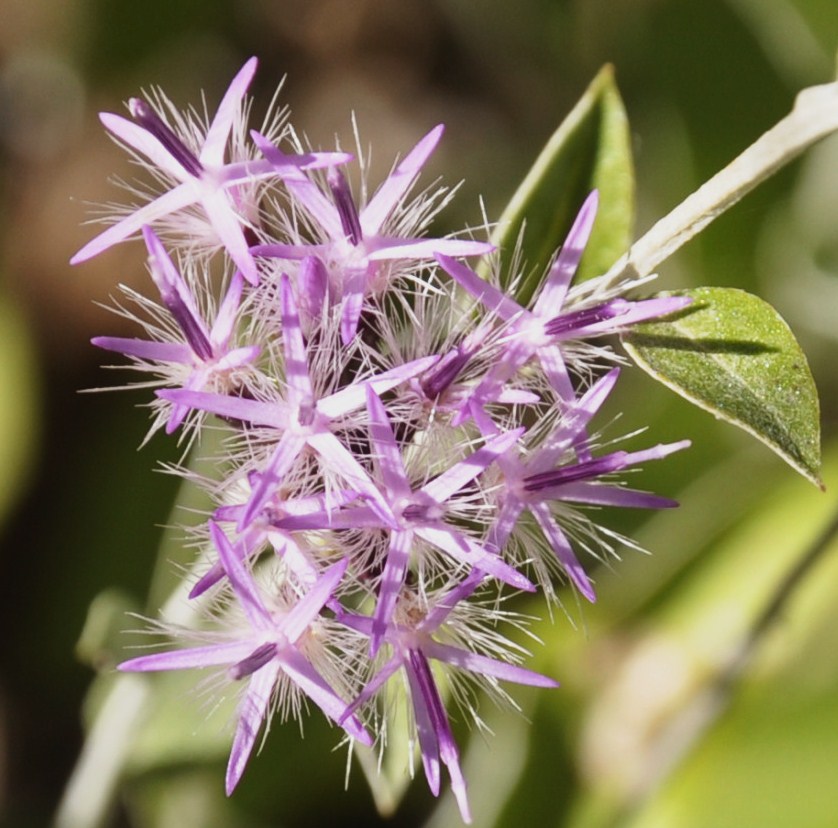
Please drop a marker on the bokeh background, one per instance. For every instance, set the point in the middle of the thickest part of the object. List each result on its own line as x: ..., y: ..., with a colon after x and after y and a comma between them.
x: 648, y: 730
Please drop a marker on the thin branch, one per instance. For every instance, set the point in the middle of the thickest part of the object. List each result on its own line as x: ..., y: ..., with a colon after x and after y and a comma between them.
x: 814, y: 116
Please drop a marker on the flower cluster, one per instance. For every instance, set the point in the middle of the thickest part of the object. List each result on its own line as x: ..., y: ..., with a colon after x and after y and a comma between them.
x: 404, y: 443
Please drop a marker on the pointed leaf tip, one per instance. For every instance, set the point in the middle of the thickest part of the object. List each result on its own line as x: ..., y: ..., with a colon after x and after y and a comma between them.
x: 732, y: 354
x: 589, y: 151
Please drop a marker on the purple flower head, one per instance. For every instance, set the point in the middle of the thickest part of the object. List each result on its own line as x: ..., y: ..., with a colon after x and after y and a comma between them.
x: 189, y: 161
x: 273, y: 653
x: 205, y: 358
x: 399, y: 439
x: 359, y: 250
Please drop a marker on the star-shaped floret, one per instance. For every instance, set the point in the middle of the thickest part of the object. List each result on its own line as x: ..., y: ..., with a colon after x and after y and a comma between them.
x: 418, y: 513
x: 540, y: 331
x: 411, y: 634
x: 199, y: 177
x: 358, y: 250
x: 269, y: 652
x: 205, y: 354
x: 561, y: 469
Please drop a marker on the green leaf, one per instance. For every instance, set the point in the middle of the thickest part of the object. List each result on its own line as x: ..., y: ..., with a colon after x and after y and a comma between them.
x: 731, y: 354
x: 591, y: 149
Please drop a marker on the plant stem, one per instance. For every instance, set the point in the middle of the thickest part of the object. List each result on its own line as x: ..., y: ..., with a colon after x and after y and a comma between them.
x: 814, y: 116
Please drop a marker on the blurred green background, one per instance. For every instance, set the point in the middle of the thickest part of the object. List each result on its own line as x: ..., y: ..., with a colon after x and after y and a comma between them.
x: 647, y: 730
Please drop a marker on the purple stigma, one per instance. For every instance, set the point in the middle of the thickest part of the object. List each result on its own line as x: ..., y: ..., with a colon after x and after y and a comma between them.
x: 345, y: 204
x: 256, y: 660
x: 576, y: 320
x: 580, y: 471
x: 147, y: 118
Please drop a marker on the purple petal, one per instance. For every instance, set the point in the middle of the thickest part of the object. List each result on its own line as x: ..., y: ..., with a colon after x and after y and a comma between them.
x: 398, y: 557
x: 418, y: 249
x: 336, y: 456
x: 505, y: 522
x: 301, y: 616
x: 423, y: 682
x: 176, y: 296
x: 252, y: 712
x: 652, y: 309
x: 212, y: 153
x: 494, y: 300
x: 237, y: 357
x: 462, y: 473
x: 571, y: 430
x: 144, y: 142
x: 227, y: 225
x: 211, y: 655
x: 386, y: 448
x: 292, y: 252
x: 360, y: 517
x: 486, y: 666
x: 301, y: 187
x: 225, y: 319
x: 553, y: 364
x: 354, y: 396
x: 196, y: 381
x: 287, y: 450
x: 297, y: 560
x: 425, y: 727
x: 170, y: 202
x: 345, y: 205
x: 563, y: 550
x: 312, y: 286
x: 236, y: 408
x: 462, y: 548
x: 354, y: 287
x: 391, y: 192
x: 143, y: 349
x: 380, y: 678
x: 240, y: 579
x: 558, y: 280
x: 600, y: 494
x: 296, y: 361
x: 596, y: 467
x: 145, y: 116
x: 442, y: 606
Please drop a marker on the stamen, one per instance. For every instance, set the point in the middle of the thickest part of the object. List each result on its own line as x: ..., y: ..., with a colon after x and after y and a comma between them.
x: 415, y: 511
x: 305, y: 414
x: 580, y: 471
x: 446, y: 371
x: 147, y: 118
x: 345, y: 204
x: 257, y: 659
x: 577, y: 320
x: 191, y: 327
